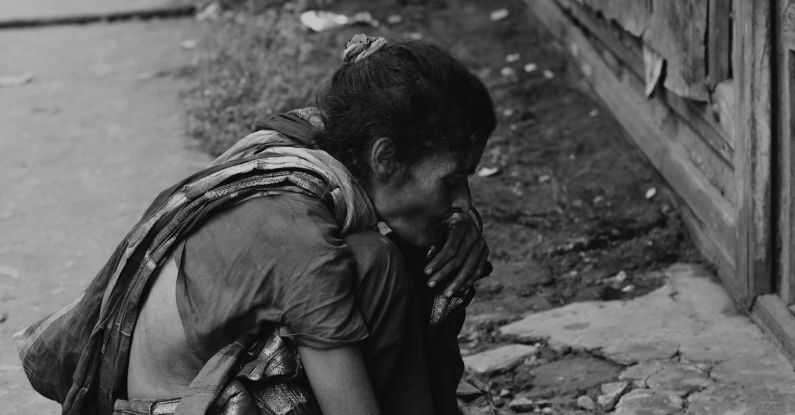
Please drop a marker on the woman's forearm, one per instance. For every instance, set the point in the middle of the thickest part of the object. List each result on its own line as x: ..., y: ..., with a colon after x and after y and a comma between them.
x: 339, y: 380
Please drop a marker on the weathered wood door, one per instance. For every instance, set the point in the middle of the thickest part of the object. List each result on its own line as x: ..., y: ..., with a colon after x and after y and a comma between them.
x: 784, y: 65
x: 753, y: 67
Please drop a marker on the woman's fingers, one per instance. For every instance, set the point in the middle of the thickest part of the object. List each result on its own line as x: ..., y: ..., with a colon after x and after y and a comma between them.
x: 472, y: 269
x: 447, y: 271
x: 453, y: 260
x: 456, y: 235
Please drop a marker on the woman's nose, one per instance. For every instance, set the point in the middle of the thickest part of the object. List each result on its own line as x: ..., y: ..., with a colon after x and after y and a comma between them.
x: 463, y: 199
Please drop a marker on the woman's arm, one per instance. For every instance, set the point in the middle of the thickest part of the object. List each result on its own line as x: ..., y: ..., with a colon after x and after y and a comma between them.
x: 339, y: 380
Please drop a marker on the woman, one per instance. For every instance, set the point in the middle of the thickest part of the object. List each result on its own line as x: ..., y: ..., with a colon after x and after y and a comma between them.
x: 260, y: 284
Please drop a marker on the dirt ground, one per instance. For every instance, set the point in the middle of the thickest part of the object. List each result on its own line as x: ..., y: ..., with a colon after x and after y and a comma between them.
x: 572, y: 211
x: 86, y: 146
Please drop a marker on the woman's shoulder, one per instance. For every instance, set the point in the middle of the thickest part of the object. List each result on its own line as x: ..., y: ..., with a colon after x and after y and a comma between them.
x: 297, y: 216
x: 270, y: 226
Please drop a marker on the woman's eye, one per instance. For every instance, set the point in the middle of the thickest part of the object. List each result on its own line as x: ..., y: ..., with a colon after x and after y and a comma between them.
x: 455, y: 181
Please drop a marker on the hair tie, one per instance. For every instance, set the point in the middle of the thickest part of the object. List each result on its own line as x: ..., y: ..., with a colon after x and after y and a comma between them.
x: 361, y: 46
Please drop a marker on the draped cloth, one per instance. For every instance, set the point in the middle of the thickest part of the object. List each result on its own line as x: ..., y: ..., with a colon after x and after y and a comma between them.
x: 78, y: 355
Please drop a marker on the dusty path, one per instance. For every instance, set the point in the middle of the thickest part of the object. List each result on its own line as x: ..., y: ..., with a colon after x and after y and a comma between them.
x: 85, y: 146
x: 16, y: 13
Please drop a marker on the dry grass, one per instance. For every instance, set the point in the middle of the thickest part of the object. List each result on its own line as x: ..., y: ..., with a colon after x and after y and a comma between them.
x: 258, y: 61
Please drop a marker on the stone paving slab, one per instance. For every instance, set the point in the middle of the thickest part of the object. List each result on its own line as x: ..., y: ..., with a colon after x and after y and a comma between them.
x: 739, y: 399
x: 690, y: 310
x: 679, y: 378
x: 49, y: 10
x: 731, y: 361
x: 87, y: 144
x: 500, y: 359
x: 649, y: 402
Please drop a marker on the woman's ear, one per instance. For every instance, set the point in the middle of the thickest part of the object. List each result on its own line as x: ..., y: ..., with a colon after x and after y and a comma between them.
x: 383, y: 159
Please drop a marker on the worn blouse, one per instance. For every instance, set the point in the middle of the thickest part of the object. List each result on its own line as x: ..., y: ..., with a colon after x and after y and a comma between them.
x: 270, y: 261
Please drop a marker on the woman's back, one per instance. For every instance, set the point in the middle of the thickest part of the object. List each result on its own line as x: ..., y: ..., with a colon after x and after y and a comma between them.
x: 269, y: 261
x: 161, y: 366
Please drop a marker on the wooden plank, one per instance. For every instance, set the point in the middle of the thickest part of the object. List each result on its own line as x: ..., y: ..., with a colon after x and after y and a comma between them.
x: 752, y: 66
x: 718, y: 46
x: 676, y: 31
x: 643, y: 119
x: 632, y: 15
x: 782, y: 197
x: 705, y: 121
x: 787, y: 25
x: 724, y: 104
x: 772, y: 315
x: 711, y: 249
x: 787, y: 290
x: 629, y: 50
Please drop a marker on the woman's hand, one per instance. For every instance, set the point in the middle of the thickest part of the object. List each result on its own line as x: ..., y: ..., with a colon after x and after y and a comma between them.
x: 462, y: 259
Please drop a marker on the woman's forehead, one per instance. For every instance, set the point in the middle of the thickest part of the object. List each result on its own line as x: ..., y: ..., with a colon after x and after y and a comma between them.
x: 455, y: 161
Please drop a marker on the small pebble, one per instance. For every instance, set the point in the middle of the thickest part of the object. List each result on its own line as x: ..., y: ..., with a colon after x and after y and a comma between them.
x: 611, y: 392
x: 621, y: 276
x: 488, y: 171
x: 211, y: 12
x: 508, y: 112
x: 593, y: 113
x: 9, y: 272
x: 585, y: 402
x: 520, y: 405
x: 628, y: 288
x: 188, y: 44
x: 530, y: 67
x: 651, y: 193
x: 543, y: 179
x: 499, y: 14
x: 513, y: 57
x: 507, y: 71
x: 394, y: 19
x: 16, y: 80
x: 414, y: 35
x: 516, y: 189
x: 548, y: 74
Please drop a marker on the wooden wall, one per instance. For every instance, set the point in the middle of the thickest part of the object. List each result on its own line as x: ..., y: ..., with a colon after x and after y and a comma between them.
x: 649, y: 63
x: 705, y: 88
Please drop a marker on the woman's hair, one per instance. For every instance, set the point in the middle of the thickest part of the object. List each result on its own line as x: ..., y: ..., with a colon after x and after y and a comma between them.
x: 411, y: 91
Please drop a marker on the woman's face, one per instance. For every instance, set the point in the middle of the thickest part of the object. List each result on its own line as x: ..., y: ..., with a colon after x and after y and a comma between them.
x: 415, y: 202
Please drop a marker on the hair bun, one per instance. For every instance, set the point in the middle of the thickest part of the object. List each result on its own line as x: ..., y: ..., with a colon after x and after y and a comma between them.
x: 361, y: 46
